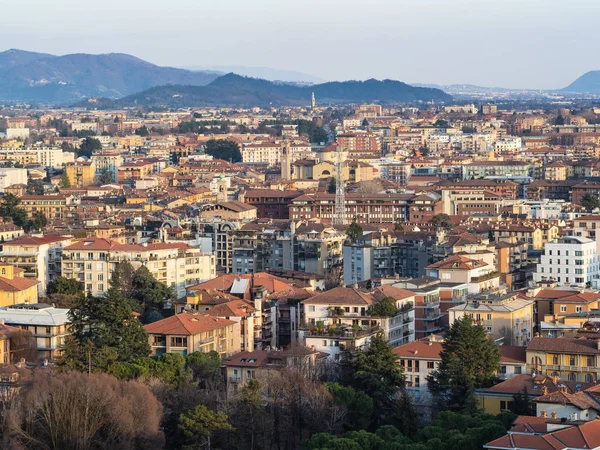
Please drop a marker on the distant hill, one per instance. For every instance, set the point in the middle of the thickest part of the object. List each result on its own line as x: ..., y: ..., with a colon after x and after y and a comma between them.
x: 235, y: 90
x: 28, y: 76
x: 266, y: 73
x: 586, y: 83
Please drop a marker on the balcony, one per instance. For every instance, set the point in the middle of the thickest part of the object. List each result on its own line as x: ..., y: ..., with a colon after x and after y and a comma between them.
x: 487, y: 276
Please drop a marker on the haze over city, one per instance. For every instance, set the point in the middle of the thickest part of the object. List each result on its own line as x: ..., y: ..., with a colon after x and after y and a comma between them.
x: 510, y: 43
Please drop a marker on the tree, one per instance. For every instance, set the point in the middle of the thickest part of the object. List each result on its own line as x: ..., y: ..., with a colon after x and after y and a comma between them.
x: 89, y: 146
x: 37, y: 222
x: 441, y: 221
x: 64, y: 181
x: 35, y: 187
x: 122, y: 278
x: 142, y: 131
x: 149, y: 293
x: 69, y: 411
x: 10, y: 210
x: 106, y: 177
x: 105, y: 331
x: 318, y: 135
x: 67, y: 147
x: 65, y: 286
x: 205, y: 367
x: 384, y: 308
x: 223, y: 149
x: 469, y: 360
x: 365, y: 122
x: 354, y: 231
x: 369, y: 187
x: 376, y: 372
x: 590, y: 202
x: 522, y: 404
x: 355, y: 407
x: 560, y: 120
x: 440, y: 123
x: 331, y: 188
x: 398, y: 226
x: 199, y: 424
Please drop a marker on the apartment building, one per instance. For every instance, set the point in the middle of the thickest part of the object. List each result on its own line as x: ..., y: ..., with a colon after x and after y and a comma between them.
x: 268, y: 153
x: 51, y: 206
x: 340, y: 318
x: 49, y: 326
x: 571, y: 359
x: 178, y: 265
x: 39, y: 255
x: 187, y: 333
x: 505, y: 316
x: 81, y: 174
x: 44, y: 156
x: 569, y: 261
x: 428, y: 315
x: 477, y: 273
x: 471, y: 202
x: 15, y: 288
x: 107, y: 161
x: 482, y: 169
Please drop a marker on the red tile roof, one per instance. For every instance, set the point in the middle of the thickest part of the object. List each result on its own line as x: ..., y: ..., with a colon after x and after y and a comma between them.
x: 186, y: 324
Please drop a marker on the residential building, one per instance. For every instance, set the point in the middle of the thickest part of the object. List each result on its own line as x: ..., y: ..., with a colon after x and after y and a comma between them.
x: 176, y: 264
x: 187, y: 333
x: 571, y: 359
x: 504, y: 316
x: 49, y: 326
x: 39, y: 255
x: 15, y: 288
x: 81, y: 174
x: 569, y: 261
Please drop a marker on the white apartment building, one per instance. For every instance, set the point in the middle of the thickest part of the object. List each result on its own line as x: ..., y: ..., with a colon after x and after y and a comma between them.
x: 39, y: 255
x: 49, y: 326
x: 10, y: 176
x: 357, y: 263
x: 178, y: 265
x: 508, y: 144
x: 569, y: 261
x: 265, y: 152
x: 44, y: 156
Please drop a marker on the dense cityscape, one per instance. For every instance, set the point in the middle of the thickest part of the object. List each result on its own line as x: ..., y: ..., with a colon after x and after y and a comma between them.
x: 195, y: 259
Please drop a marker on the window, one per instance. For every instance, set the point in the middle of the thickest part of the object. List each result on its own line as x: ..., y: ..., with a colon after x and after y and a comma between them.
x: 430, y: 365
x: 489, y: 317
x: 517, y: 370
x: 555, y: 360
x: 100, y: 277
x: 572, y: 377
x: 178, y: 341
x: 563, y: 308
x: 417, y: 381
x: 311, y: 308
x: 589, y: 378
x: 589, y: 361
x: 571, y: 360
x: 503, y: 370
x: 578, y: 309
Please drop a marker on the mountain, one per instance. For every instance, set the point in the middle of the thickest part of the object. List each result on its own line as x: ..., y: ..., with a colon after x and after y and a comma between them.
x: 266, y: 73
x: 586, y: 83
x: 235, y: 90
x: 28, y: 76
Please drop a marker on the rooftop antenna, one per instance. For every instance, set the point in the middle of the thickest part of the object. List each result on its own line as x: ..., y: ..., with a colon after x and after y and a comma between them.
x: 339, y: 217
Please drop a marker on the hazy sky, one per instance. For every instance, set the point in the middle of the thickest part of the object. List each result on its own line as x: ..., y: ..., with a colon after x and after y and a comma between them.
x: 508, y: 43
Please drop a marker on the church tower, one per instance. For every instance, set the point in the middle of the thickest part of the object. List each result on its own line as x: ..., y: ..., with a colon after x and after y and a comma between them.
x: 313, y: 101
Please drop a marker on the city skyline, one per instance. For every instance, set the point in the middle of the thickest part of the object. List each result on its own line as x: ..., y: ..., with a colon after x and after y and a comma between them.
x: 509, y: 44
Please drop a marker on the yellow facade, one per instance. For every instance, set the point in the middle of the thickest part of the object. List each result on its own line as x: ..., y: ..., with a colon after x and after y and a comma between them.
x: 566, y: 366
x: 14, y: 288
x: 81, y: 174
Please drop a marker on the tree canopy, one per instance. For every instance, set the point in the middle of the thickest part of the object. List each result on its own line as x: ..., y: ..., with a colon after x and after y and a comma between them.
x: 354, y: 231
x: 223, y: 149
x: 590, y: 202
x: 469, y: 360
x: 88, y: 147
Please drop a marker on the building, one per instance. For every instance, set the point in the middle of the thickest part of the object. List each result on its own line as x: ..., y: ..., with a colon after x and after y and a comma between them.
x: 40, y: 256
x: 49, y: 326
x: 81, y: 174
x: 15, y: 288
x: 10, y: 176
x: 569, y: 261
x: 177, y: 265
x: 270, y: 203
x: 571, y: 359
x: 187, y: 333
x: 505, y: 316
x: 51, y: 206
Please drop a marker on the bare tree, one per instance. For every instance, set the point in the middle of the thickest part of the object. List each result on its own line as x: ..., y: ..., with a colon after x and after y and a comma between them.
x: 71, y: 410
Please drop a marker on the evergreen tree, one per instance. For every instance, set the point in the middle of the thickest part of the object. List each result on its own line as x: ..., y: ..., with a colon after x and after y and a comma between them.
x: 522, y: 404
x: 354, y: 231
x: 106, y: 177
x: 590, y: 202
x: 64, y: 181
x: 104, y: 330
x: 199, y: 425
x: 469, y: 360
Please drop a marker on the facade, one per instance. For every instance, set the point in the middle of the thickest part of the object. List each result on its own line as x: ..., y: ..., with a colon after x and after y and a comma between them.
x: 49, y: 326
x: 40, y: 256
x: 187, y: 333
x: 15, y: 288
x: 569, y: 261
x: 178, y: 265
x: 81, y: 174
x: 505, y: 316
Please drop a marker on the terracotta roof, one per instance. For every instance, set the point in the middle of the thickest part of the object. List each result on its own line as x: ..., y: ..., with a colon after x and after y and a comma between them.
x: 564, y: 345
x: 17, y: 284
x: 186, y: 324
x: 341, y: 296
x: 234, y: 308
x: 37, y: 241
x: 419, y: 349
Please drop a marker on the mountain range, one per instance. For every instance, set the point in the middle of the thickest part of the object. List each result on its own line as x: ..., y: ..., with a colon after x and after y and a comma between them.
x: 39, y: 77
x: 235, y: 90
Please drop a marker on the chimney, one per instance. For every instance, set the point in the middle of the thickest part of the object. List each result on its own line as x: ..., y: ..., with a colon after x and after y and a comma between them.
x: 543, y: 414
x: 545, y: 390
x: 553, y: 414
x: 355, y: 285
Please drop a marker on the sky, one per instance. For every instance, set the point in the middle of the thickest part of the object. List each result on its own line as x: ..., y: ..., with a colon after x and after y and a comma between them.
x: 536, y: 44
